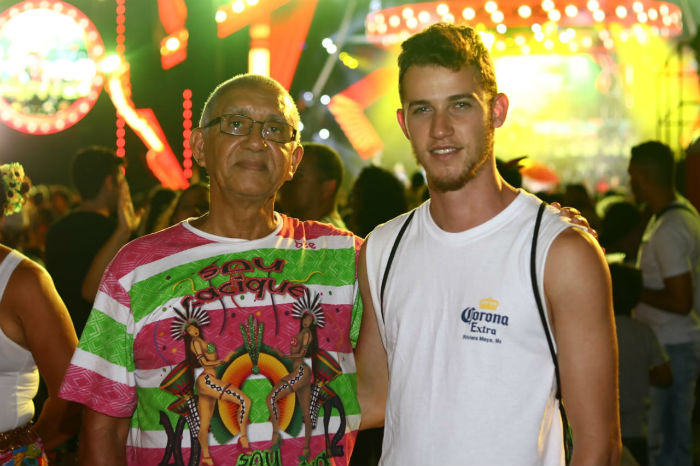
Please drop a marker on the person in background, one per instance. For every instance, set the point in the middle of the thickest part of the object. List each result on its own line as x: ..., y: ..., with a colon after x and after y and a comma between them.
x: 157, y: 202
x: 453, y: 354
x: 313, y: 192
x: 193, y: 201
x: 669, y: 258
x: 36, y: 337
x: 376, y: 196
x: 80, y: 245
x: 643, y: 361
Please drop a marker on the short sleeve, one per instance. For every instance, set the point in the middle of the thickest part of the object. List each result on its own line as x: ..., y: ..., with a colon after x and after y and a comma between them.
x: 101, y: 373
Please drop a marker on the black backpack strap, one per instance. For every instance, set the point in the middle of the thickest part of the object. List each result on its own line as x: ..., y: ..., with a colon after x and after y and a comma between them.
x: 538, y: 299
x: 567, y: 434
x: 391, y: 259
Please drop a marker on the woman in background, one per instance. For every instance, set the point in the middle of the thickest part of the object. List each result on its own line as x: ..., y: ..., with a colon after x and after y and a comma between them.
x: 36, y: 337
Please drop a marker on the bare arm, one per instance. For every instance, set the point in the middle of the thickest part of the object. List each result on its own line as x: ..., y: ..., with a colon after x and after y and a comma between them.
x: 578, y: 292
x: 128, y: 223
x: 370, y: 358
x: 49, y: 335
x: 102, y: 439
x: 676, y: 296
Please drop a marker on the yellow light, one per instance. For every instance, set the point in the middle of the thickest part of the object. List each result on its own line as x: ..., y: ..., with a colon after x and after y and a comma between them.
x: 382, y: 28
x: 220, y: 16
x: 653, y: 14
x: 642, y: 17
x: 608, y: 43
x: 407, y: 13
x: 500, y: 46
x: 624, y: 36
x: 379, y: 18
x: 525, y: 49
x: 592, y: 5
x: 259, y: 61
x: 547, y: 5
x: 488, y: 39
x: 442, y: 9
x: 637, y: 7
x: 252, y: 2
x: 490, y: 6
x: 524, y: 11
x: 520, y: 40
x: 394, y: 21
x: 412, y: 22
x: 501, y: 28
x: 172, y: 44
x: 468, y: 14
x: 573, y: 47
x: 599, y: 15
x: 587, y: 42
x: 621, y: 11
x: 448, y: 18
x: 549, y: 44
x: 536, y: 27
x: 125, y: 109
x: 110, y: 64
x: 539, y: 36
x: 554, y: 15
x: 238, y: 6
x: 423, y: 17
x: 663, y: 9
x: 571, y: 11
x: 497, y: 17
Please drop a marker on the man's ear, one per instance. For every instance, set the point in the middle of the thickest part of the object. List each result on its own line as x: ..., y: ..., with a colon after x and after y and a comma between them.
x: 499, y: 110
x: 297, y: 155
x: 197, y: 146
x: 401, y: 117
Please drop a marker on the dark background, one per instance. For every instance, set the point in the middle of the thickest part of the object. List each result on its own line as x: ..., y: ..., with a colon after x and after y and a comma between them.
x: 210, y: 60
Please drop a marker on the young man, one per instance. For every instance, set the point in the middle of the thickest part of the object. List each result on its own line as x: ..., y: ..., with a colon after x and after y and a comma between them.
x: 454, y: 344
x: 669, y: 258
x: 237, y: 324
x: 80, y: 245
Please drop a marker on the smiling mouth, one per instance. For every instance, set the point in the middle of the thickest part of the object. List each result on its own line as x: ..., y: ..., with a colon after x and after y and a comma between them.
x: 444, y: 150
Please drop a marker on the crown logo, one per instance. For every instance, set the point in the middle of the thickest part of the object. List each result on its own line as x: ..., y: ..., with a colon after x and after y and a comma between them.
x: 488, y: 303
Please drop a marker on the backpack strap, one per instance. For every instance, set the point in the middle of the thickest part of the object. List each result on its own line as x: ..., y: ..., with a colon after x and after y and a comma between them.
x: 538, y: 299
x: 391, y: 259
x: 566, y: 427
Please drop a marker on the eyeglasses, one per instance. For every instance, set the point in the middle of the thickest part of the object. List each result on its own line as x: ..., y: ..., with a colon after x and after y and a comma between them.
x: 241, y: 125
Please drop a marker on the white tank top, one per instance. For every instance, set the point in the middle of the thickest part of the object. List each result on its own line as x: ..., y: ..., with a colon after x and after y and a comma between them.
x: 471, y: 377
x: 19, y: 377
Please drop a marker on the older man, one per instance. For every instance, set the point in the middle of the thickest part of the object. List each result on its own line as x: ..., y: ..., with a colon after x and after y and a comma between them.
x: 212, y: 324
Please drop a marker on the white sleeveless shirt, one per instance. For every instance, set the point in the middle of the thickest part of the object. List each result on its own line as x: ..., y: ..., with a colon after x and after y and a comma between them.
x: 471, y: 379
x: 19, y: 376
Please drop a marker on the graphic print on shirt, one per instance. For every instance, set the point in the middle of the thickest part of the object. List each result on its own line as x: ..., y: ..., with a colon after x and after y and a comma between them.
x: 484, y: 323
x: 228, y: 390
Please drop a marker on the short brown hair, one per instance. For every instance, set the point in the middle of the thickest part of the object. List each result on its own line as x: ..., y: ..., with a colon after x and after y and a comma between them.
x: 450, y: 46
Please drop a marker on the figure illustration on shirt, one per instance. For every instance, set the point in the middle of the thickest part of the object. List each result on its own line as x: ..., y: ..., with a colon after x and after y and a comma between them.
x: 302, y: 347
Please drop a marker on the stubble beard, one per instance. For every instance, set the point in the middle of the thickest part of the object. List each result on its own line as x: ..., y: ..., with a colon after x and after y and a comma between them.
x: 470, y: 170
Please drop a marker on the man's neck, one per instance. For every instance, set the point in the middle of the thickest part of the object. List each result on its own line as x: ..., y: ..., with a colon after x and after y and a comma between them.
x: 93, y: 205
x: 481, y: 199
x: 244, y: 220
x: 659, y: 200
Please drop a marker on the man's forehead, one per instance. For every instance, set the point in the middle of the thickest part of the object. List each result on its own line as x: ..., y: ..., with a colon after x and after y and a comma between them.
x: 254, y: 100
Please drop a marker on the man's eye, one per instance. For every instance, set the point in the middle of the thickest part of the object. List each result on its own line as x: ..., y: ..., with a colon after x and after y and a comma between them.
x: 421, y: 109
x: 274, y: 128
x: 462, y: 105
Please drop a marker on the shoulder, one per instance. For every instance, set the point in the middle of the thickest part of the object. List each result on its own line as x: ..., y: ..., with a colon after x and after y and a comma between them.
x: 294, y: 228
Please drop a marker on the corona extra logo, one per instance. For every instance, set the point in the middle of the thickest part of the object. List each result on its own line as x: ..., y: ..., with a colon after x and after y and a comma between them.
x: 488, y: 303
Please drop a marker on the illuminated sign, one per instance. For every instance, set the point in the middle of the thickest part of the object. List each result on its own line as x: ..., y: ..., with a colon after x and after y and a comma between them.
x: 49, y: 78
